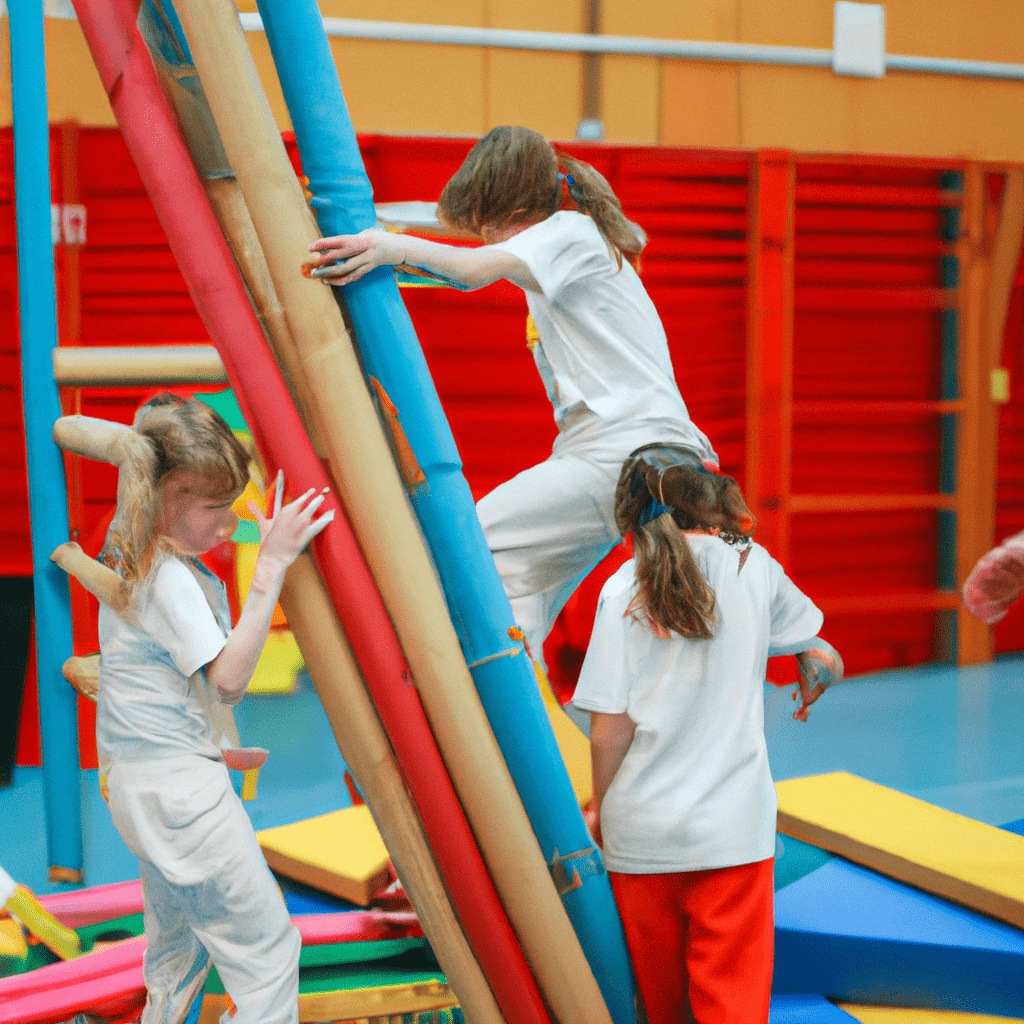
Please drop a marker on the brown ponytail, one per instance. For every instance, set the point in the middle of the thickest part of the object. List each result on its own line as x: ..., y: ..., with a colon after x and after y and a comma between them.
x: 663, y: 490
x: 592, y: 194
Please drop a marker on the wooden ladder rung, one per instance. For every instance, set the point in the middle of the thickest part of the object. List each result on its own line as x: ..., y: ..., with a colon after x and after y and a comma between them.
x: 139, y: 365
x: 803, y: 503
x: 886, y: 604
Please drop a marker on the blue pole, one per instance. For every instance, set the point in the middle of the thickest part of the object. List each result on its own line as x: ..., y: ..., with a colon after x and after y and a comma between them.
x: 343, y: 204
x: 58, y: 712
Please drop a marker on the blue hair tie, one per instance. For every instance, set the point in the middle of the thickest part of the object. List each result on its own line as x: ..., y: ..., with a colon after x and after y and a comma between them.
x: 652, y: 512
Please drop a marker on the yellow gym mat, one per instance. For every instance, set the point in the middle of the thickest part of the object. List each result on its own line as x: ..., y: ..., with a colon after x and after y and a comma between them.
x: 902, y: 1015
x: 341, y: 853
x: 572, y: 744
x: 976, y: 865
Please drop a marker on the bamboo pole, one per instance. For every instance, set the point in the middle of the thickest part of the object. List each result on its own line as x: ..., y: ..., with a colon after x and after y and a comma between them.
x: 143, y: 365
x: 360, y: 460
x: 473, y: 896
x: 151, y: 133
x: 365, y: 749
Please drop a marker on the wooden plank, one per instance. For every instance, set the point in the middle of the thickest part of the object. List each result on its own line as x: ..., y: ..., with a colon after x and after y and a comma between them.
x: 991, y: 254
x: 833, y: 297
x: 770, y: 346
x: 973, y: 864
x: 888, y: 603
x: 873, y: 409
x: 841, y: 194
x: 803, y: 503
x: 138, y: 365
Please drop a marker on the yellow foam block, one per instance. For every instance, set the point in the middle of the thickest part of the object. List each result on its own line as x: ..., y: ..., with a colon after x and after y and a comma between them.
x: 572, y: 744
x: 341, y: 853
x: 901, y: 1015
x: 12, y: 939
x: 958, y: 858
x: 279, y: 665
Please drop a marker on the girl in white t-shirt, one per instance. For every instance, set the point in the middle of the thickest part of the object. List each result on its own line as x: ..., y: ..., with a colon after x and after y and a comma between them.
x: 169, y: 661
x: 556, y: 229
x: 684, y: 805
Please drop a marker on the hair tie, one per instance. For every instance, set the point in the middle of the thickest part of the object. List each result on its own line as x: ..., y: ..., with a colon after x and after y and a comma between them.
x: 652, y: 512
x: 661, y: 473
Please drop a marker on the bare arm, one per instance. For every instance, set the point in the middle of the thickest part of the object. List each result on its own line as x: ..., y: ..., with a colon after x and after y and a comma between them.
x: 470, y: 267
x: 282, y: 538
x: 610, y: 739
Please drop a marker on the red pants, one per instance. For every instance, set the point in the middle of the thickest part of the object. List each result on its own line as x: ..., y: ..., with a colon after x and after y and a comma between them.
x: 702, y: 942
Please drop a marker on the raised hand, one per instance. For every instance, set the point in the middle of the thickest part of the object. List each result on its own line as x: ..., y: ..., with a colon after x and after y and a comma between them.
x: 291, y: 527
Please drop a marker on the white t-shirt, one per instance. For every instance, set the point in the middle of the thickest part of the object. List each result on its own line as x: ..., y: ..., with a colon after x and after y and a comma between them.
x: 694, y: 790
x: 602, y: 346
x: 153, y: 699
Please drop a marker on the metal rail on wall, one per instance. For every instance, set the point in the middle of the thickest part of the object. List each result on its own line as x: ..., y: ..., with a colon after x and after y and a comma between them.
x: 638, y: 46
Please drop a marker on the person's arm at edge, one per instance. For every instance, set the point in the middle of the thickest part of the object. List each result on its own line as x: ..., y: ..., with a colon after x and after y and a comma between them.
x: 471, y: 267
x: 610, y: 739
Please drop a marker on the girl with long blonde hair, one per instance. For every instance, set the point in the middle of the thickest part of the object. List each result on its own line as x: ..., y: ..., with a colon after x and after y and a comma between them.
x: 169, y: 659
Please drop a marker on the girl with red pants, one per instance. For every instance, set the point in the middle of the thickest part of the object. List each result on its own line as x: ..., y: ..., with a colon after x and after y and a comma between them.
x: 684, y: 802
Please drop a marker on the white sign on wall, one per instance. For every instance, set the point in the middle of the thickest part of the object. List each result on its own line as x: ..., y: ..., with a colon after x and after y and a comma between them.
x: 858, y: 39
x: 67, y: 223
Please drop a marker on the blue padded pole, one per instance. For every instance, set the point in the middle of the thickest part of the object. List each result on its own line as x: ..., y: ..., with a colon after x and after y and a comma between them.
x: 343, y: 204
x: 58, y: 712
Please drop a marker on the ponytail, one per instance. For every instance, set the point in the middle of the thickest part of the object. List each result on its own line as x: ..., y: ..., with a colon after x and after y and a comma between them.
x: 663, y: 490
x: 129, y: 547
x: 592, y: 194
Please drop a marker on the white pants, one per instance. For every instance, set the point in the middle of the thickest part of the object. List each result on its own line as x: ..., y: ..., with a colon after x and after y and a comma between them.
x: 547, y: 528
x: 207, y: 891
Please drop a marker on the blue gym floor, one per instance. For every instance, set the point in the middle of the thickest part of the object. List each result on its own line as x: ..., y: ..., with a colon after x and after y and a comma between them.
x: 950, y: 736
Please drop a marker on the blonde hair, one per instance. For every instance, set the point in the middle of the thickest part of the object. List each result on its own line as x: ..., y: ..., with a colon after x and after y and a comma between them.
x: 511, y: 176
x: 662, y: 490
x: 171, y: 435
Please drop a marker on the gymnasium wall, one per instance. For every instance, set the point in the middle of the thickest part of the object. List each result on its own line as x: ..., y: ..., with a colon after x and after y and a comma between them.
x: 452, y: 90
x: 875, y: 291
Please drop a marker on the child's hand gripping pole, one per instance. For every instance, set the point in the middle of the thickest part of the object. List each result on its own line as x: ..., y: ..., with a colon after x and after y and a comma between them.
x: 21, y: 904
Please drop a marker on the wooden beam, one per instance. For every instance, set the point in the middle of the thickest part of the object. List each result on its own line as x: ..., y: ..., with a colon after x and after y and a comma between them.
x: 770, y: 346
x: 803, y: 503
x: 138, y: 365
x: 887, y: 604
x: 991, y: 258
